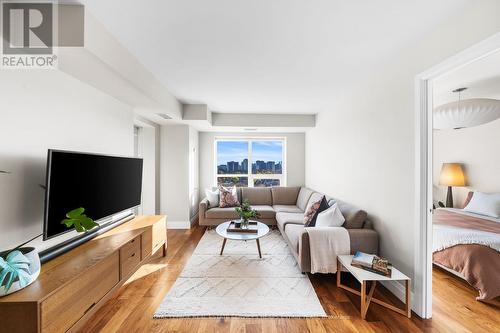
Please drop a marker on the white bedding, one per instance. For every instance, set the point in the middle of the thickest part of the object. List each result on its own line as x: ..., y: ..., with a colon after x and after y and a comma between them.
x: 447, y: 236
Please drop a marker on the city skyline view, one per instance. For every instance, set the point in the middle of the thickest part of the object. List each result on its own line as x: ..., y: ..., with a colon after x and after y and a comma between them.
x: 232, y: 157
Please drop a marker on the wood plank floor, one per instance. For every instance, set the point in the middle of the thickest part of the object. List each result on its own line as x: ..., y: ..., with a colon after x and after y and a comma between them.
x: 455, y: 307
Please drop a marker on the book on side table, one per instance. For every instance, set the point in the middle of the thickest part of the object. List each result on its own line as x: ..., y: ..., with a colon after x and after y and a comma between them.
x: 372, y: 263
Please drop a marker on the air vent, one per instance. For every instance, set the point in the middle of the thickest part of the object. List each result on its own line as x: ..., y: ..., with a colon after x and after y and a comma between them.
x: 250, y: 129
x: 164, y: 115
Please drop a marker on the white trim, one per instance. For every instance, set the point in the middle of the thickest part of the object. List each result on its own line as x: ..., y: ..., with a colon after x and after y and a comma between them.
x: 178, y: 225
x: 422, y: 304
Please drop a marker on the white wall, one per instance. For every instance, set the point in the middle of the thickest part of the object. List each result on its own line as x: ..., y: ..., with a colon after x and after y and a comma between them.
x: 478, y: 148
x: 147, y: 151
x: 295, y: 159
x: 41, y: 110
x: 363, y: 148
x: 194, y: 182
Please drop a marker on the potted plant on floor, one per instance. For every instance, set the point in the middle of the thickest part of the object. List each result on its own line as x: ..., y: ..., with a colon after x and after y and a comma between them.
x: 246, y: 213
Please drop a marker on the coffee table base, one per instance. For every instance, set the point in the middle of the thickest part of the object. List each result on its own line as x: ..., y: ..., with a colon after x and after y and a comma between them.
x: 224, y: 244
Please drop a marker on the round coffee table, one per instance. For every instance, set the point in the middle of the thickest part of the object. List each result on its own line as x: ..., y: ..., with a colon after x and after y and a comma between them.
x: 221, y: 230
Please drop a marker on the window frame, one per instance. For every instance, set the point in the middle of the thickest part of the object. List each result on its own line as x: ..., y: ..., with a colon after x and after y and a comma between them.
x: 251, y: 177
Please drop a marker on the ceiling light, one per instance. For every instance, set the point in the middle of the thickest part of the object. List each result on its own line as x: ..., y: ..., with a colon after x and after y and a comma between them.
x: 466, y: 113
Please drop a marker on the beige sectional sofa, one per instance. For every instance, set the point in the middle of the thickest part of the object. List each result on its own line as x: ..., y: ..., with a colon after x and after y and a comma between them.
x: 285, y: 207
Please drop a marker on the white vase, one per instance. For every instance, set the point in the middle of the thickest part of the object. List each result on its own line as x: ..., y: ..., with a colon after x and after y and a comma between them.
x: 34, y: 266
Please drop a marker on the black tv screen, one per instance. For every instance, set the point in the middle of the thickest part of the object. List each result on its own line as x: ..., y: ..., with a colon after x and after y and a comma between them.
x: 103, y: 185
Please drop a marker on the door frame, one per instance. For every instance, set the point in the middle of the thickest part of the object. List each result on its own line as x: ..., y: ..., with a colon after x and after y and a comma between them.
x: 423, y: 165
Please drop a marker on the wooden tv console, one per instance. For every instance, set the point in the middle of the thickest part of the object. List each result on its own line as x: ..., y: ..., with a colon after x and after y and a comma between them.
x: 73, y: 286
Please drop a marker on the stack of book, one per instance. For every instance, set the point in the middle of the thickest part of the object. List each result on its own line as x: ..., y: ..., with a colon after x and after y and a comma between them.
x: 372, y: 263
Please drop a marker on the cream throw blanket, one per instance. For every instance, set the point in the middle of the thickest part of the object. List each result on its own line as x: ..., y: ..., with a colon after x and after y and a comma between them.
x: 325, y: 244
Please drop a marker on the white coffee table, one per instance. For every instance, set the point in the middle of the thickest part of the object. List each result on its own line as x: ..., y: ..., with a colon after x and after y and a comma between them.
x: 363, y: 276
x: 221, y: 230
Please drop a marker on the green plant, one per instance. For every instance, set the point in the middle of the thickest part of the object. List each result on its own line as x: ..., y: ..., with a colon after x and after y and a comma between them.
x: 16, y: 266
x: 80, y: 221
x: 246, y: 212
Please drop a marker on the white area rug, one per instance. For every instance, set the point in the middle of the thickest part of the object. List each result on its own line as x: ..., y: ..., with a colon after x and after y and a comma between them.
x: 240, y: 284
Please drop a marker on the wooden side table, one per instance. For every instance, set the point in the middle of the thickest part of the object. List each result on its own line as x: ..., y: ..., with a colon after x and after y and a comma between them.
x: 363, y: 277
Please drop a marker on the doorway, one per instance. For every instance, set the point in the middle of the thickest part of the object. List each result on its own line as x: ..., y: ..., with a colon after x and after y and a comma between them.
x: 424, y: 104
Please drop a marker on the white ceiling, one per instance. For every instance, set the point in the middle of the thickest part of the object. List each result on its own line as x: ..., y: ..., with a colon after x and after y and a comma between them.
x: 481, y: 78
x: 290, y: 56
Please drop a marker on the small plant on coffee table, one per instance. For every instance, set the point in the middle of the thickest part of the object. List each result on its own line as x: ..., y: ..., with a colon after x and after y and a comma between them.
x: 246, y: 213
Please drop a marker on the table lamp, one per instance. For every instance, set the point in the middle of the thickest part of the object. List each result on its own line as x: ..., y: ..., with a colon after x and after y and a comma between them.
x: 452, y: 174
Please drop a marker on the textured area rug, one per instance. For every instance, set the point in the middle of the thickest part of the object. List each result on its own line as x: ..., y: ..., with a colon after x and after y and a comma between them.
x: 241, y: 284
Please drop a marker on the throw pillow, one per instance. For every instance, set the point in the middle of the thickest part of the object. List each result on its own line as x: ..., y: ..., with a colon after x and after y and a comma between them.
x: 331, y: 217
x: 212, y: 197
x: 228, y: 197
x: 313, y: 211
x: 484, y: 204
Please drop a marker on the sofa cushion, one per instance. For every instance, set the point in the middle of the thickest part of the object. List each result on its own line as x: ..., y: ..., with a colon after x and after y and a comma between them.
x: 354, y: 217
x: 293, y: 233
x: 284, y: 219
x: 303, y: 198
x: 287, y: 209
x: 257, y: 195
x: 221, y: 213
x: 285, y: 195
x: 228, y: 197
x: 266, y: 212
x: 315, y: 197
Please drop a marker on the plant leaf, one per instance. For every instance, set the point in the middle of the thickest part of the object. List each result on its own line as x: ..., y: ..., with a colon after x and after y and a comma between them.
x: 75, y: 213
x: 16, y: 265
x: 81, y: 222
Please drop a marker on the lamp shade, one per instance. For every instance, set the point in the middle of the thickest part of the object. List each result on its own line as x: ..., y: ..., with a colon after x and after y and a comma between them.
x: 466, y: 113
x: 452, y: 174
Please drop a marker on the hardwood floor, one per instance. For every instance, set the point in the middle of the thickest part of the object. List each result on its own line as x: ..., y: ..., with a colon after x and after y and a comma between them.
x: 455, y: 307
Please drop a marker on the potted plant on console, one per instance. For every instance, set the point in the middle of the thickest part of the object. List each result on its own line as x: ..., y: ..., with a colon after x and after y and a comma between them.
x: 20, y: 266
x: 246, y: 213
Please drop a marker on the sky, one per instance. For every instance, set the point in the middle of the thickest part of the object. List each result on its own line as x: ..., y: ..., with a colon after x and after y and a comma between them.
x: 238, y: 150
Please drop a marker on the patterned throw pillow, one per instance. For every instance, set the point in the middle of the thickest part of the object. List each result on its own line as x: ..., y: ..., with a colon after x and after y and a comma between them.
x: 228, y: 197
x: 313, y: 211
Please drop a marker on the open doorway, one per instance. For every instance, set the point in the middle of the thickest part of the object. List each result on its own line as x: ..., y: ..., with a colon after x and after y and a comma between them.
x: 458, y: 181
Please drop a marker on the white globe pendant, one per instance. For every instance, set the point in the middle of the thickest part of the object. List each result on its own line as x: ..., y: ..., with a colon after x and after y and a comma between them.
x: 466, y: 113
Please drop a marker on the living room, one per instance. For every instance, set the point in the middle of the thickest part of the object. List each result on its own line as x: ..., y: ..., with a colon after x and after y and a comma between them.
x: 221, y: 164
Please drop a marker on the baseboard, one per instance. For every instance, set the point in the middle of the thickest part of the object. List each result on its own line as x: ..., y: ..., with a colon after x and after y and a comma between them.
x: 398, y: 289
x: 178, y: 224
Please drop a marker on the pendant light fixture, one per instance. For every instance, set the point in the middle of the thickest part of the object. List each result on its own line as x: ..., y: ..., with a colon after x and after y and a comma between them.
x: 466, y: 113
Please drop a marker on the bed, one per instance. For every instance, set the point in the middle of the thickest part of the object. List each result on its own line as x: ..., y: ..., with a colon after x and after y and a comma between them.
x: 468, y: 245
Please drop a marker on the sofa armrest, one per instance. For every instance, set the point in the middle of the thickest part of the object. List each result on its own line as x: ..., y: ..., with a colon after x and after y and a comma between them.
x: 202, y: 208
x: 364, y: 240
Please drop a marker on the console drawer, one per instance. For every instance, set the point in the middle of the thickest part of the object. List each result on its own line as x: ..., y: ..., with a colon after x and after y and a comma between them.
x: 66, y: 306
x: 130, y: 257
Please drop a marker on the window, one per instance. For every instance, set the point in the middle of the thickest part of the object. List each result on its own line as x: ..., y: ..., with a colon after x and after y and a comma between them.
x: 250, y: 162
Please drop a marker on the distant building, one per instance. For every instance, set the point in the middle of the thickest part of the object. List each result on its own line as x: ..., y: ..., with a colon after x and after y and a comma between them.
x: 222, y: 168
x: 244, y: 166
x: 233, y: 167
x: 270, y: 166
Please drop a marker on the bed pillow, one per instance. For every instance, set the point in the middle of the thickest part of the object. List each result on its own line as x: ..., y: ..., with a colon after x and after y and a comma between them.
x: 484, y: 204
x: 331, y: 217
x: 228, y: 197
x: 467, y: 200
x: 212, y: 197
x: 313, y: 211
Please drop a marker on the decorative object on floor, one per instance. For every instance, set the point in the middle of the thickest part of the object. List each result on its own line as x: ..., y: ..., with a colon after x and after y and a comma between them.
x: 466, y: 113
x: 19, y: 268
x: 240, y: 285
x: 261, y: 231
x: 452, y: 174
x: 246, y: 213
x: 363, y: 276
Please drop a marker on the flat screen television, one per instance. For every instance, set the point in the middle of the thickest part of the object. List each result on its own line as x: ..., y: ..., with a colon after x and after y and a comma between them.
x: 103, y: 185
